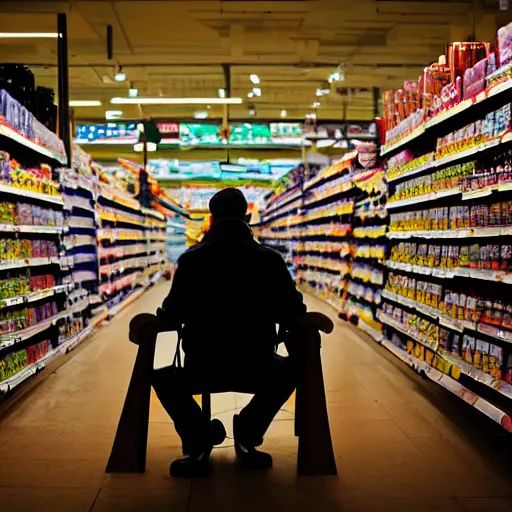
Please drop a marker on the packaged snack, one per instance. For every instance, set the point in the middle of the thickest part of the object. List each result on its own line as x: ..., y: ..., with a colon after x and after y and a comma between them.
x: 495, y: 361
x: 468, y: 348
x: 504, y: 44
x: 481, y: 356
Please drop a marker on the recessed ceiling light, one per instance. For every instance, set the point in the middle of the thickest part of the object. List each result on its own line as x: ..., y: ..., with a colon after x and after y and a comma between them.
x: 222, y: 93
x: 284, y: 113
x: 133, y: 92
x: 29, y: 35
x: 113, y: 114
x: 257, y: 91
x: 316, y: 104
x: 255, y: 79
x: 84, y: 103
x: 201, y: 115
x: 175, y: 101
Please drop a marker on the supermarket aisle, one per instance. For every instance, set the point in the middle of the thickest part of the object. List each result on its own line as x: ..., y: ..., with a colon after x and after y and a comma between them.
x: 400, y: 444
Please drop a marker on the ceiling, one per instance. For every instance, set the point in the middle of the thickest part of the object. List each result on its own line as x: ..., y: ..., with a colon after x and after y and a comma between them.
x: 177, y: 49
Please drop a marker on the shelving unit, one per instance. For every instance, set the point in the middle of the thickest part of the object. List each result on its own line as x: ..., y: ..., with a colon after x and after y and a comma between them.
x: 51, y: 292
x: 445, y: 302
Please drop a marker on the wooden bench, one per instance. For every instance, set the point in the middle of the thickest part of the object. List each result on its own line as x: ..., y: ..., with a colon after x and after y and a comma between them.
x: 315, y: 453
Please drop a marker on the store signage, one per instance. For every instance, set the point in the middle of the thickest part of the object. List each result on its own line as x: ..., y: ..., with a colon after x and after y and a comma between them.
x: 195, y: 134
x: 170, y: 132
x: 110, y: 133
x: 339, y: 131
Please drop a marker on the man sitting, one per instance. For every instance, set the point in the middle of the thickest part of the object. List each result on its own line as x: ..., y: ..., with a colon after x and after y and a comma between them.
x: 228, y: 293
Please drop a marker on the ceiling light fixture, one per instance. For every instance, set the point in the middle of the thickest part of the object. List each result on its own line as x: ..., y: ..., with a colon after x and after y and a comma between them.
x: 222, y: 93
x: 120, y: 76
x: 284, y: 113
x: 151, y: 146
x: 29, y: 35
x: 322, y: 92
x: 316, y: 104
x: 175, y: 101
x: 133, y: 92
x: 201, y: 115
x: 252, y: 110
x: 113, y: 114
x: 84, y: 103
x: 257, y: 91
x: 255, y: 79
x: 250, y: 94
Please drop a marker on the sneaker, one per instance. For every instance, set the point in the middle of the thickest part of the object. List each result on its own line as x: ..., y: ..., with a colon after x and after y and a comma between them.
x: 247, y: 455
x: 191, y: 466
x: 197, y: 464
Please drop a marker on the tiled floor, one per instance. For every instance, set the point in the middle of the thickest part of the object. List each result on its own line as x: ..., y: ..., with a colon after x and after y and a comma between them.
x: 402, y: 444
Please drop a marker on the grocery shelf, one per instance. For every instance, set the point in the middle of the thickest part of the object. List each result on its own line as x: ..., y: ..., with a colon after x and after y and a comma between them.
x: 448, y: 114
x: 498, y: 276
x: 29, y: 194
x: 14, y: 228
x: 452, y: 233
x: 33, y: 296
x: 11, y: 133
x: 7, y: 340
x: 476, y: 401
x: 371, y: 331
x: 28, y: 262
x: 433, y: 196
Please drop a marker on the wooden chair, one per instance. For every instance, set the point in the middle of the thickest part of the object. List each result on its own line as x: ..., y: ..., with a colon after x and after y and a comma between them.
x: 315, y: 453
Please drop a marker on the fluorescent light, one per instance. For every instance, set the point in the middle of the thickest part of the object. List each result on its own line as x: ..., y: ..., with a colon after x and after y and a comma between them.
x: 113, y: 114
x: 133, y: 93
x: 140, y: 146
x: 322, y: 92
x: 27, y: 35
x: 176, y: 101
x: 84, y: 103
x: 201, y: 115
x: 284, y: 113
x: 257, y: 91
x: 222, y: 93
x: 255, y: 79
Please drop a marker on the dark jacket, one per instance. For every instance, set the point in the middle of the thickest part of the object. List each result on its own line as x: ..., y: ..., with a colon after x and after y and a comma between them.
x: 230, y: 292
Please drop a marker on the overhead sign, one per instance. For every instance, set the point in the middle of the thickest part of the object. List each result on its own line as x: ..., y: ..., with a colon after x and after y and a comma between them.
x: 195, y: 134
x: 110, y: 133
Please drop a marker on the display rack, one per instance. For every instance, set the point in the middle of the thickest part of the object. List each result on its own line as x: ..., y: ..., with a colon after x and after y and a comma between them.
x: 57, y: 280
x: 446, y: 306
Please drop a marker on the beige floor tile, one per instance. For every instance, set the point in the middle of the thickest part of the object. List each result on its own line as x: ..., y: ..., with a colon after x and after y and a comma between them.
x: 23, y: 499
x: 141, y: 500
x: 331, y: 501
x: 484, y: 504
x: 52, y: 473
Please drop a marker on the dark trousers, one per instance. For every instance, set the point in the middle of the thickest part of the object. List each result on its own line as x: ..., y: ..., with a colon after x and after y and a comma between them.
x: 271, y: 384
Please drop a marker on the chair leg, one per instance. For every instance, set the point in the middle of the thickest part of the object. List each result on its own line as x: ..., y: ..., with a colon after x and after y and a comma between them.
x: 315, y: 454
x: 206, y: 408
x: 128, y: 453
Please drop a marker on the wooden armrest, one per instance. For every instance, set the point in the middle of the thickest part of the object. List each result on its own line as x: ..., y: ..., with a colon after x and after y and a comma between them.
x: 321, y: 322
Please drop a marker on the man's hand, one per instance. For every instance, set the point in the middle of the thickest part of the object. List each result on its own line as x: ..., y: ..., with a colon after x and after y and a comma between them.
x: 144, y: 326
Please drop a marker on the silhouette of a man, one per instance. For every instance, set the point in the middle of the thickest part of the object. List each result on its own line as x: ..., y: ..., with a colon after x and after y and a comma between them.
x: 228, y: 293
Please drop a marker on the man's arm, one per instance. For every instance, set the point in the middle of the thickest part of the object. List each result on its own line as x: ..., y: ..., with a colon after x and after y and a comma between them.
x: 173, y: 309
x: 288, y: 301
